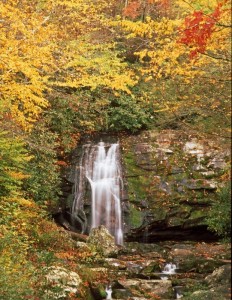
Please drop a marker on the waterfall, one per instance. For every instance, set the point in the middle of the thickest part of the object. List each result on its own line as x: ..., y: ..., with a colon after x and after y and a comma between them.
x: 169, y: 268
x: 108, y: 291
x: 100, y: 165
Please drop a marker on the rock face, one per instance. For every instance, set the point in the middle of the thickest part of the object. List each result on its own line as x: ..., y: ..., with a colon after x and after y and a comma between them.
x: 172, y: 178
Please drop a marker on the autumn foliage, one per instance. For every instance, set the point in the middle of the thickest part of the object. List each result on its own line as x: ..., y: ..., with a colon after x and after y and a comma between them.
x: 68, y: 68
x: 132, y: 10
x: 198, y: 29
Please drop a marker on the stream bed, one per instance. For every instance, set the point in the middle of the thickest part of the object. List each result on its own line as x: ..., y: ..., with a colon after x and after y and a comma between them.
x: 166, y: 270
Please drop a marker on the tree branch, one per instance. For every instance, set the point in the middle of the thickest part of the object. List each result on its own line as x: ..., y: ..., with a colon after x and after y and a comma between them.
x: 215, y: 57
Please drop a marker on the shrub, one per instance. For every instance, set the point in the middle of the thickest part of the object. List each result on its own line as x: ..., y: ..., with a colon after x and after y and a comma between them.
x: 219, y: 219
x: 128, y: 113
x: 17, y: 274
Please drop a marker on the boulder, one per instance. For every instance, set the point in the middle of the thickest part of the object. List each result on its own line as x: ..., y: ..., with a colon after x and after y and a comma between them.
x: 148, y: 287
x: 220, y: 276
x: 61, y: 282
x: 102, y: 241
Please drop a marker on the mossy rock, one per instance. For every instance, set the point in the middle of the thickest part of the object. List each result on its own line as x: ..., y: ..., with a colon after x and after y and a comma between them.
x: 154, y: 267
x: 98, y: 291
x: 121, y: 294
x: 198, y: 265
x: 174, y: 221
x: 195, y: 222
x: 135, y: 217
x: 159, y: 213
x: 180, y: 211
x: 198, y: 214
x: 207, y: 295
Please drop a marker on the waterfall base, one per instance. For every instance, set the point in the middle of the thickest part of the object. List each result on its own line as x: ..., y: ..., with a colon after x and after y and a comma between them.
x: 157, y: 232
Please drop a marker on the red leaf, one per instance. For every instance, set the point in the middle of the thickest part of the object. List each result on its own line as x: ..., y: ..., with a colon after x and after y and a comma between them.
x: 198, y: 29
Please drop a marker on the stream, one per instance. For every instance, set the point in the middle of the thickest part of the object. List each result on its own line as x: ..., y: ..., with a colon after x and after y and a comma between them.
x: 167, y: 271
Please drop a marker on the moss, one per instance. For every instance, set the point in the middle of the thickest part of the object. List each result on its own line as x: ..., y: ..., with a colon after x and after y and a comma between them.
x: 136, y: 217
x: 138, y: 180
x: 178, y: 177
x: 131, y: 167
x: 173, y: 189
x: 136, y: 189
x: 195, y: 214
x: 159, y: 213
x: 175, y: 221
x: 179, y: 211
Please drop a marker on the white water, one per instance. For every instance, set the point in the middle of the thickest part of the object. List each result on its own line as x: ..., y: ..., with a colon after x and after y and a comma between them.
x: 101, y: 166
x: 108, y: 292
x: 169, y: 269
x: 178, y: 296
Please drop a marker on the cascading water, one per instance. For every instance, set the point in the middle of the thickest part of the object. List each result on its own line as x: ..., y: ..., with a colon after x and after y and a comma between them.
x: 100, y: 165
x: 108, y: 291
x: 169, y: 269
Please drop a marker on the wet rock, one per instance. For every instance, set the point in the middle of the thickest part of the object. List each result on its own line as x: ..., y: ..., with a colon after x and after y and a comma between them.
x: 121, y: 294
x: 116, y: 263
x: 152, y: 269
x: 102, y: 241
x: 98, y: 291
x: 133, y: 267
x: 156, y: 287
x: 141, y: 250
x: 146, y: 264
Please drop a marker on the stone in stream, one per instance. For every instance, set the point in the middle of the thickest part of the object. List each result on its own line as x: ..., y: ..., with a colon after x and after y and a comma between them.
x: 157, y: 287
